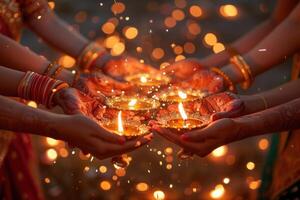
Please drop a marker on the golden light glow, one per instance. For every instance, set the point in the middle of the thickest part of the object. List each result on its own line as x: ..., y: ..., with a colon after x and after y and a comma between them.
x: 51, y: 141
x: 32, y: 104
x: 102, y: 169
x: 120, y: 172
x: 210, y: 39
x: 158, y: 53
x: 228, y: 11
x: 63, y: 152
x: 189, y: 48
x: 182, y: 95
x: 164, y: 65
x: 218, y: 47
x: 195, y: 11
x: 226, y: 180
x: 180, y: 3
x: 47, y: 180
x: 218, y: 192
x: 250, y: 165
x: 118, y: 7
x: 194, y: 28
x: 105, y: 185
x: 168, y: 150
x: 182, y: 111
x: 169, y: 166
x: 253, y: 185
x: 263, y: 144
x: 219, y: 152
x: 139, y: 49
x: 179, y: 58
x: 178, y: 49
x: 108, y: 28
x: 51, y: 154
x: 117, y: 49
x: 142, y: 187
x: 110, y: 41
x: 130, y: 32
x: 51, y: 5
x: 120, y: 123
x: 170, y: 22
x: 132, y: 102
x: 66, y: 61
x: 143, y: 79
x: 159, y: 195
x: 178, y: 14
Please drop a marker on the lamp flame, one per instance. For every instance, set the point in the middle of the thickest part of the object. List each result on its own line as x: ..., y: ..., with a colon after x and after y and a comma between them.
x: 120, y: 123
x: 132, y: 102
x: 182, y: 111
x: 182, y: 95
x: 143, y: 79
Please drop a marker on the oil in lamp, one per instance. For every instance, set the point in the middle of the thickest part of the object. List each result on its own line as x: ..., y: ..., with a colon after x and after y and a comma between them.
x: 179, y: 95
x: 132, y: 103
x: 128, y: 128
x: 148, y: 79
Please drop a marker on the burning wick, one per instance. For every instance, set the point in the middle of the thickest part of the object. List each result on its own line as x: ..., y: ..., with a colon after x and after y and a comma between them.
x: 120, y: 123
x: 182, y: 95
x: 182, y: 114
x: 132, y: 102
x: 143, y: 79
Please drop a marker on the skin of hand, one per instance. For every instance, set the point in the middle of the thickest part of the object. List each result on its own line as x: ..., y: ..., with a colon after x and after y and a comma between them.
x: 184, y: 69
x: 97, y: 84
x: 118, y: 67
x: 85, y: 113
x: 204, y: 80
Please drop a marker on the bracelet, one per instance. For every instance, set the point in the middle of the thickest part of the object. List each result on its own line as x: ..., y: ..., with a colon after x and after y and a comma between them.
x: 239, y: 62
x: 53, y: 70
x: 57, y: 71
x: 264, y: 100
x: 89, y: 54
x: 231, y: 50
x: 229, y: 82
x: 39, y: 88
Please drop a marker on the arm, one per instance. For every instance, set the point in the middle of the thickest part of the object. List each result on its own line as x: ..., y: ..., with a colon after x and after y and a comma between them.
x: 279, y: 44
x: 16, y: 56
x: 248, y: 41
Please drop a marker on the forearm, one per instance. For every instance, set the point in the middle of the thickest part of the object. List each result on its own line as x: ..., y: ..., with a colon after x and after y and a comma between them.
x: 280, y: 118
x: 9, y: 81
x: 18, y: 57
x: 58, y: 34
x: 270, y: 98
x: 15, y: 116
x: 242, y: 45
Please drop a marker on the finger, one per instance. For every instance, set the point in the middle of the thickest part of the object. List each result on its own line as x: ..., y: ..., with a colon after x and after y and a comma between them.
x: 208, y: 133
x: 235, y: 109
x: 130, y: 145
x: 109, y: 137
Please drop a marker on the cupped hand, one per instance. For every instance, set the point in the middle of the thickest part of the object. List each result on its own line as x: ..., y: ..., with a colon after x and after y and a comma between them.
x: 204, y: 80
x: 220, y: 105
x: 125, y: 66
x: 82, y: 132
x: 184, y: 69
x: 203, y: 141
x: 97, y: 84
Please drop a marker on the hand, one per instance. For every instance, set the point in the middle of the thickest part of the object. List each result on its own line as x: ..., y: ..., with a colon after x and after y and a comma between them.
x: 203, y: 141
x: 97, y: 84
x: 124, y: 66
x: 204, y: 80
x: 84, y: 133
x: 184, y: 69
x: 221, y: 105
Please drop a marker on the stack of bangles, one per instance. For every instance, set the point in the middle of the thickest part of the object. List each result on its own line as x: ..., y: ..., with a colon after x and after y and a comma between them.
x: 53, y: 70
x: 230, y: 85
x: 90, y: 54
x: 239, y: 62
x: 39, y: 88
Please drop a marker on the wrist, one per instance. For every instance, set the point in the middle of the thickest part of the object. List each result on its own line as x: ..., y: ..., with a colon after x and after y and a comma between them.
x: 253, y: 103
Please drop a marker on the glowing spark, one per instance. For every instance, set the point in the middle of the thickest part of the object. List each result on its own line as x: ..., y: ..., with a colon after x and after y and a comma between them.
x: 159, y: 195
x: 182, y: 95
x: 143, y: 79
x: 218, y: 192
x: 132, y: 102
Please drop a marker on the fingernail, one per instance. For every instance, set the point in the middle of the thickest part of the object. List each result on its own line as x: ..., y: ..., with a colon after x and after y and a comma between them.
x: 122, y: 140
x: 184, y: 137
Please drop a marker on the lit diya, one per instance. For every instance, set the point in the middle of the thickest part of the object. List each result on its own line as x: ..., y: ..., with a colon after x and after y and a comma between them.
x: 128, y: 128
x: 132, y: 103
x: 177, y: 95
x: 148, y: 80
x: 181, y: 121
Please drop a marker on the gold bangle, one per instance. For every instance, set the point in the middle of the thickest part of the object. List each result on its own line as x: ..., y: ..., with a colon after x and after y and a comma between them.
x: 89, y: 54
x: 264, y: 100
x: 229, y: 82
x: 239, y: 62
x: 57, y: 71
x: 48, y: 69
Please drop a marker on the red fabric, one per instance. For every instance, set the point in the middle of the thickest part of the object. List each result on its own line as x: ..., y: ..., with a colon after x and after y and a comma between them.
x: 16, y: 178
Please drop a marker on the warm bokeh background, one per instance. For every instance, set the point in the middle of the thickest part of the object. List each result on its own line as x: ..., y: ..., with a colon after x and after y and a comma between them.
x: 158, y: 32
